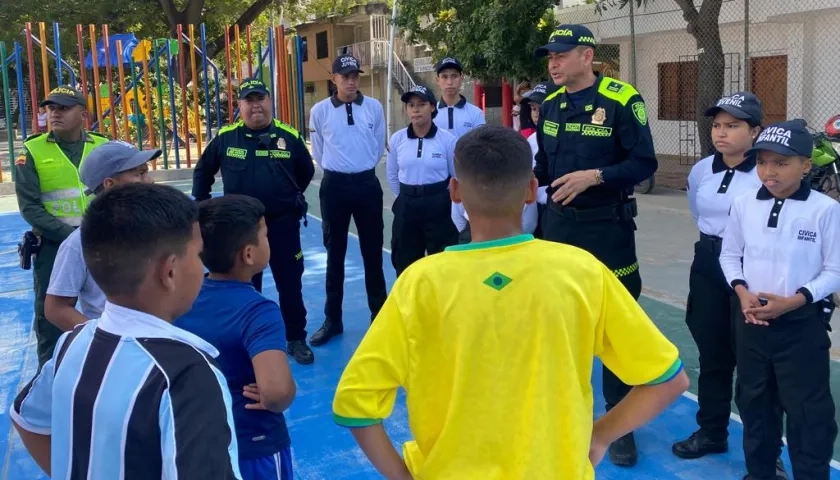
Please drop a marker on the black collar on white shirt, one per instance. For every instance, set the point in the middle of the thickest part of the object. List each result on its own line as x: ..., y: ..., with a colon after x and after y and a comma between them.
x: 430, y: 134
x: 746, y: 166
x: 763, y: 194
x: 337, y: 103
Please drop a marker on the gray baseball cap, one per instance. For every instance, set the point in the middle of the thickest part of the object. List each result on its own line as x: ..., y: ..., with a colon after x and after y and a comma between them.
x: 110, y: 159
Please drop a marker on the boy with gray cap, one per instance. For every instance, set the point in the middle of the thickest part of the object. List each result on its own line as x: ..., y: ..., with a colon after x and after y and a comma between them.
x: 109, y: 165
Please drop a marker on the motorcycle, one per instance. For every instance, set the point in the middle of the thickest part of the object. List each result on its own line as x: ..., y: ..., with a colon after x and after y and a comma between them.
x: 824, y: 176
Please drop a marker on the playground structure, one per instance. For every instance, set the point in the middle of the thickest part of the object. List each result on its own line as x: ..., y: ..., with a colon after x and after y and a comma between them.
x: 156, y: 93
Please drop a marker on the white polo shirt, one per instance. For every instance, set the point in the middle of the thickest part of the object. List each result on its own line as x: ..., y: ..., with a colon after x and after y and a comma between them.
x: 347, y: 137
x: 459, y: 118
x: 712, y: 186
x: 787, y: 245
x: 414, y: 160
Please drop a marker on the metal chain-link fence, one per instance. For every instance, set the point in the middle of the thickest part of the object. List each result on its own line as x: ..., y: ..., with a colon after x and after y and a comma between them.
x: 683, y: 55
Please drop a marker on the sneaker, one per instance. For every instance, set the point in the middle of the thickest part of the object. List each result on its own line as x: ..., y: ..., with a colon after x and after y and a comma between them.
x: 301, y: 352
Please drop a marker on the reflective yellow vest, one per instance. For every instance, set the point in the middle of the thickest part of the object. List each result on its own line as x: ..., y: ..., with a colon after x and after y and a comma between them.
x: 62, y: 191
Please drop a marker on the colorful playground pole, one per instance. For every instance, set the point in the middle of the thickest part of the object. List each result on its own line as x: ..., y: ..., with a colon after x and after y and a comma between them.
x: 271, y: 48
x: 82, y: 68
x: 33, y: 93
x: 94, y: 55
x: 250, y: 54
x: 57, y: 44
x: 299, y: 46
x: 121, y: 72
x: 45, y: 70
x: 107, y: 41
x: 229, y: 81
x: 21, y: 94
x: 185, y: 107
x: 238, y: 54
x: 160, y: 105
x: 195, y: 88
x: 7, y: 104
x: 172, y: 107
x: 203, y: 37
x: 137, y: 111
x: 147, y: 86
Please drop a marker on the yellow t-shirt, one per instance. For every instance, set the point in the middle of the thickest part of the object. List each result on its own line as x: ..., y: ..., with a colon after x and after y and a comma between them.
x: 493, y: 343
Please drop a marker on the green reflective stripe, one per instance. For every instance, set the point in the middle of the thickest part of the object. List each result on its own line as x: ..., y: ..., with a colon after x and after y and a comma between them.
x: 554, y: 94
x: 616, y: 90
x: 231, y: 127
x: 354, y: 422
x: 624, y: 271
x: 669, y: 374
x: 287, y: 128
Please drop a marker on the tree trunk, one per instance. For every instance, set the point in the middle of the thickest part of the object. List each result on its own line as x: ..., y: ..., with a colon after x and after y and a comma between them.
x: 703, y: 26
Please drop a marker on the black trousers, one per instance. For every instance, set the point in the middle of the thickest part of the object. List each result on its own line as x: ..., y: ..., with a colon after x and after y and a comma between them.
x: 613, y: 242
x: 287, y: 269
x: 356, y: 195
x: 46, y: 333
x: 711, y: 312
x: 422, y: 223
x: 786, y: 362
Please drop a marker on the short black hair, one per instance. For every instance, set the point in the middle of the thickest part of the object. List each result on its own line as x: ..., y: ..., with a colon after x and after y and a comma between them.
x: 228, y: 224
x: 495, y: 163
x: 128, y: 227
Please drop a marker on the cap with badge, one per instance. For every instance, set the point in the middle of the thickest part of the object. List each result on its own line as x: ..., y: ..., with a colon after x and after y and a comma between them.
x: 346, y: 64
x: 419, y: 91
x: 565, y: 38
x: 741, y: 105
x: 252, y: 86
x: 65, y: 96
x: 111, y: 159
x: 539, y: 92
x: 790, y: 138
x: 448, y: 62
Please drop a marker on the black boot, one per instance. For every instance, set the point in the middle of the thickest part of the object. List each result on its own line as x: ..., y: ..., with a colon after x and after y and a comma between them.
x: 623, y: 451
x: 698, y: 445
x: 327, y: 331
x: 781, y: 473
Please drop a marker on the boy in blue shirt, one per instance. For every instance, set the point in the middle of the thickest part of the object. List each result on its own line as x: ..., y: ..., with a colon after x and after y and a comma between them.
x: 248, y: 331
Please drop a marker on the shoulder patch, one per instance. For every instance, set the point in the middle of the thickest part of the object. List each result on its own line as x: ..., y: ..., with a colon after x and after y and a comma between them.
x: 617, y: 90
x: 21, y: 158
x: 640, y: 112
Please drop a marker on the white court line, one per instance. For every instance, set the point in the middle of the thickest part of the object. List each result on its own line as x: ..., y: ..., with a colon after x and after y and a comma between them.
x: 734, y: 416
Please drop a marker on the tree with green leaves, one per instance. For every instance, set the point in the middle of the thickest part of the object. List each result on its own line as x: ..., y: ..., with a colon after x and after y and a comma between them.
x: 491, y: 38
x: 702, y: 25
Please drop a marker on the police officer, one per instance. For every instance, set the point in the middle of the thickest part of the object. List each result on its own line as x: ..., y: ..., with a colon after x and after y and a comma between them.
x: 420, y: 163
x: 50, y: 195
x: 264, y: 158
x: 347, y: 131
x: 594, y: 146
x: 457, y: 115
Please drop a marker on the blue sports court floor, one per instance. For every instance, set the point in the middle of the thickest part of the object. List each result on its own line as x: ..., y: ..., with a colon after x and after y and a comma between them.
x: 322, y: 450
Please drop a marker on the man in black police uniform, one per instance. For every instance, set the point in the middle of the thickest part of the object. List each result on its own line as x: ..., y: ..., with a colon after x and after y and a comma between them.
x: 266, y: 159
x: 594, y: 146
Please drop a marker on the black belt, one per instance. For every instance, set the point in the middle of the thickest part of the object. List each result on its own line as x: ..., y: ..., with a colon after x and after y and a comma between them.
x: 705, y: 237
x: 424, y: 190
x: 615, y: 212
x: 363, y: 175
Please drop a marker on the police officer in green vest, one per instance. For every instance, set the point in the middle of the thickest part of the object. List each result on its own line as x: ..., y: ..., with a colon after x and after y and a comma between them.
x: 50, y: 195
x: 594, y: 144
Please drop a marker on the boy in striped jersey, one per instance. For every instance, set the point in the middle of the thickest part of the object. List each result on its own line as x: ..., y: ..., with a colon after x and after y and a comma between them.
x: 129, y: 395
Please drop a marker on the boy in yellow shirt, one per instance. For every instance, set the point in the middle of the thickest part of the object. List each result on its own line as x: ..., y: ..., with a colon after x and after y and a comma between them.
x: 493, y: 342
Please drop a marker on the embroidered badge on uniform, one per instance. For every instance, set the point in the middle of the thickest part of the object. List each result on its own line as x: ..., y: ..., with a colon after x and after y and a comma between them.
x: 599, y: 117
x: 281, y: 143
x: 640, y: 112
x: 21, y: 158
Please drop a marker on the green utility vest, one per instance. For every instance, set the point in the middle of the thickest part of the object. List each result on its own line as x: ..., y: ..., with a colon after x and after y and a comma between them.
x: 62, y: 190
